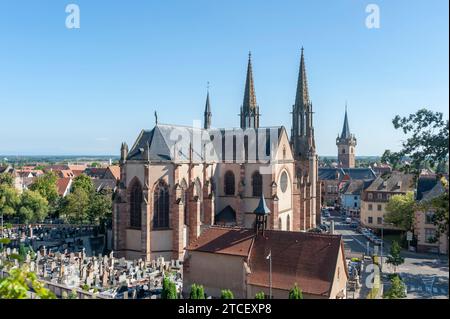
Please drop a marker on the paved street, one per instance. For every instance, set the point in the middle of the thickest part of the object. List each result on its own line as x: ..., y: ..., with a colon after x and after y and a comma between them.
x: 426, y: 275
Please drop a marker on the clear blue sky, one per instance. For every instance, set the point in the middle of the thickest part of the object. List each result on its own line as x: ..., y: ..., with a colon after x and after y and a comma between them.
x: 85, y: 91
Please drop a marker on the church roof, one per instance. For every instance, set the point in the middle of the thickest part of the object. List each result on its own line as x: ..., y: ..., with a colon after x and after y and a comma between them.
x: 172, y: 142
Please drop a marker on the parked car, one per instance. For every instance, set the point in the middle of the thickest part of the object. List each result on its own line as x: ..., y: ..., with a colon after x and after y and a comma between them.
x: 354, y: 224
x: 348, y: 220
x: 324, y: 227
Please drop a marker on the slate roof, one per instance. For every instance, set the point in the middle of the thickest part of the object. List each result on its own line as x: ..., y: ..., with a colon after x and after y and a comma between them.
x: 307, y: 259
x: 355, y: 187
x: 346, y: 129
x: 101, y: 184
x: 226, y: 215
x: 172, y: 142
x: 429, y: 187
x: 5, y: 169
x: 329, y: 173
x: 396, y: 182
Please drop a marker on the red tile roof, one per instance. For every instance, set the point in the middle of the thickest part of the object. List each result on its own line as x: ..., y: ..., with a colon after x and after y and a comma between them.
x: 307, y: 259
x: 222, y: 240
x: 115, y: 171
x: 62, y: 184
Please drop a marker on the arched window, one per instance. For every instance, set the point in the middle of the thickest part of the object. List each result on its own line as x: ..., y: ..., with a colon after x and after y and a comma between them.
x: 135, y: 205
x: 229, y: 183
x: 288, y: 223
x: 161, y: 206
x: 184, y: 200
x: 257, y: 184
x: 343, y: 151
x: 280, y: 224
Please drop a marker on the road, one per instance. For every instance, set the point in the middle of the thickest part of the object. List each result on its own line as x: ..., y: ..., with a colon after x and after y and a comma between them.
x: 425, y: 275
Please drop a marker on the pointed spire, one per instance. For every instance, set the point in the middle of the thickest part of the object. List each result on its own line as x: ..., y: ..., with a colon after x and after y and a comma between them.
x: 345, y: 129
x: 249, y: 95
x: 262, y: 208
x: 207, y: 114
x: 302, y: 97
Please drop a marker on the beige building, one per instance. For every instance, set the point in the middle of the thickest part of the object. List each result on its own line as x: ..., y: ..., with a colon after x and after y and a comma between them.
x: 176, y: 181
x: 428, y: 238
x: 375, y: 198
x: 238, y: 259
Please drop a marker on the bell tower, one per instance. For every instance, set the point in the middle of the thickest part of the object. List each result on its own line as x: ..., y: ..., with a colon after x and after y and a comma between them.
x: 346, y: 144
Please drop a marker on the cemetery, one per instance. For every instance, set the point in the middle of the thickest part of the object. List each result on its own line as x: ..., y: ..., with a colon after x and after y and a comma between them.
x: 65, y: 266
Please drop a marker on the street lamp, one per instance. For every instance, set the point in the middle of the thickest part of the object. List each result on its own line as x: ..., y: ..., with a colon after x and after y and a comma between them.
x: 270, y: 273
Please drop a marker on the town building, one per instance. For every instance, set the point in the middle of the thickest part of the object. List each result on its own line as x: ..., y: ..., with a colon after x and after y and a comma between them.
x: 350, y: 196
x: 333, y: 179
x: 429, y: 239
x: 375, y: 198
x: 250, y: 261
x: 177, y: 181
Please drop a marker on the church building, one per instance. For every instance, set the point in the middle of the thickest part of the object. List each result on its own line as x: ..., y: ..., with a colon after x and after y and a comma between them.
x: 176, y: 181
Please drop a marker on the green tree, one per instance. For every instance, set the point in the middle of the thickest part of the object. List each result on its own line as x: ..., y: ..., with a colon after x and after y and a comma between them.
x: 100, y: 208
x: 9, y: 199
x: 46, y: 186
x: 76, y: 207
x: 19, y: 282
x: 169, y: 289
x: 393, y: 159
x: 33, y: 207
x: 83, y: 182
x: 395, y: 258
x: 397, y: 289
x: 226, y: 294
x: 427, y: 138
x: 295, y: 293
x: 6, y: 179
x: 197, y: 292
x: 260, y: 295
x: 400, y: 211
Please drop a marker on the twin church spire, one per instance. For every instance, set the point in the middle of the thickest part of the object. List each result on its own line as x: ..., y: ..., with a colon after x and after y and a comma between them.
x: 302, y: 137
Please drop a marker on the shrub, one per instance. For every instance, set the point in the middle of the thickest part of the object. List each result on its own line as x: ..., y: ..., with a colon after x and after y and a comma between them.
x: 227, y: 294
x: 260, y: 295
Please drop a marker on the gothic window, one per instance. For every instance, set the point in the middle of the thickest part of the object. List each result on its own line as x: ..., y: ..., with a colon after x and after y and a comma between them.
x: 343, y: 151
x: 284, y: 152
x: 229, y: 183
x: 135, y: 205
x: 284, y: 182
x: 246, y: 148
x: 183, y: 186
x: 257, y: 184
x: 280, y: 224
x: 288, y: 223
x: 161, y: 206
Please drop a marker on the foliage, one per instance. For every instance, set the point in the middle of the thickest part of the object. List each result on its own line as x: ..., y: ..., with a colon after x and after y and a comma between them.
x: 394, y: 258
x: 295, y: 293
x: 169, y: 289
x: 393, y: 159
x: 45, y: 185
x: 260, y: 295
x: 197, y: 292
x: 100, y: 208
x: 400, y: 211
x: 85, y: 287
x: 83, y: 182
x: 76, y: 207
x: 33, y: 207
x: 427, y: 138
x: 9, y: 199
x: 6, y: 179
x: 227, y: 294
x: 397, y: 289
x: 19, y: 282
